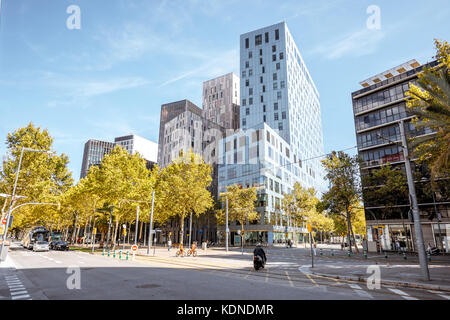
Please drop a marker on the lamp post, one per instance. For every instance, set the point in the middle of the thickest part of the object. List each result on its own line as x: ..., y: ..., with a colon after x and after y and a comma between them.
x: 13, y: 196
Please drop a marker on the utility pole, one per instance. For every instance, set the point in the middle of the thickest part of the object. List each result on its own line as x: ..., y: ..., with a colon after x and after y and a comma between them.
x: 190, y: 230
x: 137, y: 223
x: 150, y: 227
x: 415, y: 207
x: 109, y: 226
x: 226, y: 225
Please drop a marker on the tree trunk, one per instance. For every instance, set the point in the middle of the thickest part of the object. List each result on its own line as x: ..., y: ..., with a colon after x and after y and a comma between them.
x: 353, y: 235
x: 115, y: 233
x: 140, y: 231
x: 348, y: 231
x: 181, y: 228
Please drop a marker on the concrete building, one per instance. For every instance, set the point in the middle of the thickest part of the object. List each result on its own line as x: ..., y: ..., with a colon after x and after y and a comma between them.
x: 136, y: 144
x: 278, y: 96
x: 221, y: 98
x: 183, y: 128
x: 378, y: 109
x: 94, y: 151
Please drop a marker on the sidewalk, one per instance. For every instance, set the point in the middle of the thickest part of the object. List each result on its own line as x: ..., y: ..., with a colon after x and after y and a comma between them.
x: 392, y: 273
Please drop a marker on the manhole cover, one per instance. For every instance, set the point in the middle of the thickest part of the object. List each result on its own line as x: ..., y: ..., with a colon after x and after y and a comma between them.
x: 148, y: 286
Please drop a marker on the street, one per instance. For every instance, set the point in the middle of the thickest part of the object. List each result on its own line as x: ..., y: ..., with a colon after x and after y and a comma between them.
x: 216, y: 275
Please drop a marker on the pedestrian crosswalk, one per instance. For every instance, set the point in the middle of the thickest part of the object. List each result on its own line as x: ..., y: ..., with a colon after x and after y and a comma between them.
x: 16, y: 288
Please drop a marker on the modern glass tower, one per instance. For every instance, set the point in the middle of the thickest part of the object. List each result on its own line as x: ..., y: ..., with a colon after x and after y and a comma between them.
x: 276, y: 88
x: 280, y: 141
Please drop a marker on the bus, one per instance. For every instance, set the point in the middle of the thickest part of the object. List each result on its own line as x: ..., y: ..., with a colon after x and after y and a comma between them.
x: 33, y: 235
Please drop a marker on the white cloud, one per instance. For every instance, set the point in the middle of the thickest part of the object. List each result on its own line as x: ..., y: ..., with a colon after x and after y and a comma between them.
x: 356, y: 44
x: 213, y: 66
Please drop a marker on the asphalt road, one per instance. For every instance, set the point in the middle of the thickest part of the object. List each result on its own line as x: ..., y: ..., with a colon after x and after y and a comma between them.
x: 45, y: 275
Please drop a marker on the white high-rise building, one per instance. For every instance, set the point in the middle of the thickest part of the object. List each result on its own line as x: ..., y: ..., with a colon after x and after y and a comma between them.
x: 279, y: 102
x: 133, y: 144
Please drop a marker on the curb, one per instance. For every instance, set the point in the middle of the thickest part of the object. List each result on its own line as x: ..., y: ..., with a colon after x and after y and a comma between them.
x: 388, y: 282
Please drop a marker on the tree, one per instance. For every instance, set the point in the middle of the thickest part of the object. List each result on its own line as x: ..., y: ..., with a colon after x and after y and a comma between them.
x: 299, y: 204
x: 429, y: 101
x: 241, y: 205
x: 344, y: 192
x: 121, y: 176
x: 386, y: 184
x: 42, y: 177
x: 186, y: 181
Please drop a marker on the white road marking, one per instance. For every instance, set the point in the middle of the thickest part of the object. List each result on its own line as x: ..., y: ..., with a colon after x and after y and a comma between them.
x: 16, y: 288
x: 21, y: 297
x: 358, y: 290
x: 403, y: 294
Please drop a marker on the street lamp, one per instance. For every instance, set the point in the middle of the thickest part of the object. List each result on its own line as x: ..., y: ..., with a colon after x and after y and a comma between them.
x: 13, y: 196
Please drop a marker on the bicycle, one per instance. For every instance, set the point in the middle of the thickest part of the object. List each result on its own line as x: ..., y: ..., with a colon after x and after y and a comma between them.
x: 178, y: 253
x: 192, y: 252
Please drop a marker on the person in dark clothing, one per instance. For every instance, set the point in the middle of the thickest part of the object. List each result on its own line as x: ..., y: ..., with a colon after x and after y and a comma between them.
x: 260, y: 252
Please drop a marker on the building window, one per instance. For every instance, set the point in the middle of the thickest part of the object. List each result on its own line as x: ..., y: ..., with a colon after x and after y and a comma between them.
x: 281, y: 56
x: 275, y: 116
x: 274, y: 48
x: 261, y: 79
x: 250, y: 72
x: 258, y: 40
x: 283, y: 115
x: 280, y: 126
x: 260, y: 52
x: 250, y: 91
x: 263, y: 69
x: 282, y: 84
x: 244, y: 123
x: 244, y: 102
x: 244, y: 73
x: 275, y: 106
x: 260, y: 61
x: 274, y: 57
x: 250, y: 101
x: 275, y: 77
x: 246, y: 43
x: 262, y: 98
x: 247, y: 64
x: 264, y: 118
x: 275, y: 85
x: 277, y: 34
x: 264, y: 88
x: 247, y: 111
x: 250, y: 55
x: 264, y: 108
x: 278, y: 66
x: 279, y: 95
x: 247, y: 82
x: 266, y: 35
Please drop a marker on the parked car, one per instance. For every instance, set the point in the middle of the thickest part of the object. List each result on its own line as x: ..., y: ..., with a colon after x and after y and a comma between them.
x: 40, y: 246
x: 61, y: 245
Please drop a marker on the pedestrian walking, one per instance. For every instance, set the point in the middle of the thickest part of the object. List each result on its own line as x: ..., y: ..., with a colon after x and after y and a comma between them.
x: 169, y: 245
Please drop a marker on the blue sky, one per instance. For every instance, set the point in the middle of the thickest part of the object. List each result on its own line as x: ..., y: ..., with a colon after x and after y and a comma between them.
x: 130, y: 56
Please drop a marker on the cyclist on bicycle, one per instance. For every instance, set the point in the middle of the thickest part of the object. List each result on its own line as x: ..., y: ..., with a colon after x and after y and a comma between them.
x: 194, y: 246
